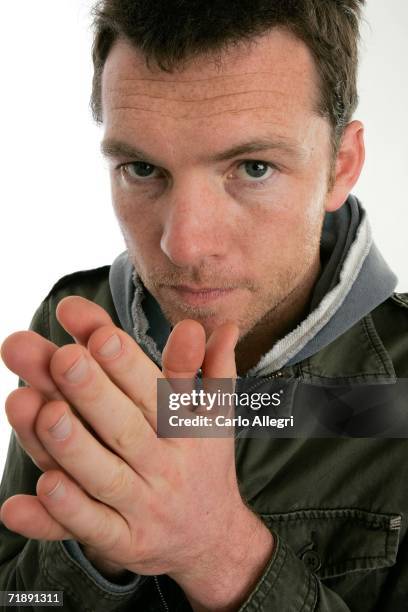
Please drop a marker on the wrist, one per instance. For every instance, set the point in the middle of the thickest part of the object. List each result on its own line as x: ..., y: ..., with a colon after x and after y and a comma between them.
x: 222, y: 579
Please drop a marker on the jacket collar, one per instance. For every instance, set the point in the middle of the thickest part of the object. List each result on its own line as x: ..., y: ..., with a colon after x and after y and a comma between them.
x: 358, y: 356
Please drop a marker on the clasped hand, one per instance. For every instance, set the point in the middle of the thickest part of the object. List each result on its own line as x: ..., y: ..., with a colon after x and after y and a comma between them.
x: 88, y: 420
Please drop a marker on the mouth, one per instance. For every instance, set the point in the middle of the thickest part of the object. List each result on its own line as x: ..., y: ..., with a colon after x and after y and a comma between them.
x: 200, y: 295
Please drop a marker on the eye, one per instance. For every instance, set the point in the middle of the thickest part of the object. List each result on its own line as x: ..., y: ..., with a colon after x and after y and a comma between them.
x: 139, y: 170
x: 254, y: 169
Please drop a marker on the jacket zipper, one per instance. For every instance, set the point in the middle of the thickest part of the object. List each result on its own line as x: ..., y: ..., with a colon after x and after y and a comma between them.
x: 261, y: 380
x: 162, y: 599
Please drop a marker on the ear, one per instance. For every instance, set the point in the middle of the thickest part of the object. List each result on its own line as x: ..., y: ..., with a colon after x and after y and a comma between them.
x: 348, y: 165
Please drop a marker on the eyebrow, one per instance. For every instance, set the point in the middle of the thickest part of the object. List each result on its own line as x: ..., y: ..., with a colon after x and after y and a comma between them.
x: 112, y: 148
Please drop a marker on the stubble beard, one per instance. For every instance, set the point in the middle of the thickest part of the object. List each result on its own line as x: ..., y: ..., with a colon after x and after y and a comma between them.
x: 265, y: 310
x: 262, y: 311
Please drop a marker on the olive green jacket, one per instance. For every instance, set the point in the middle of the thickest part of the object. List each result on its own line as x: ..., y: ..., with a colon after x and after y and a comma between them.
x: 338, y: 507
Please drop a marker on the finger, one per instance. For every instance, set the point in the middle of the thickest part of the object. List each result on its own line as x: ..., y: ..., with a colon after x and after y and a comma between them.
x: 111, y: 413
x: 25, y: 514
x: 22, y: 409
x: 128, y: 367
x: 219, y: 361
x: 89, y: 521
x: 81, y: 317
x: 219, y: 371
x: 101, y: 473
x: 184, y: 351
x: 182, y: 357
x: 28, y: 355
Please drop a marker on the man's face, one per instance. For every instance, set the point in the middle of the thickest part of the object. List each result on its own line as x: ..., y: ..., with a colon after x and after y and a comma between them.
x: 220, y: 178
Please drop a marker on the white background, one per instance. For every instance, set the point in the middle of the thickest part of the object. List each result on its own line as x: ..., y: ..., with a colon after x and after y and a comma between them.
x: 52, y: 175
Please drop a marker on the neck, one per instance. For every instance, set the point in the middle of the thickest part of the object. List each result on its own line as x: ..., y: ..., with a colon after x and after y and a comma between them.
x: 276, y: 324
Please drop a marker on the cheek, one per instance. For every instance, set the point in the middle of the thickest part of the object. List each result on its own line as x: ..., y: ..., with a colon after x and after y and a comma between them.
x: 275, y: 221
x: 138, y: 225
x: 283, y: 234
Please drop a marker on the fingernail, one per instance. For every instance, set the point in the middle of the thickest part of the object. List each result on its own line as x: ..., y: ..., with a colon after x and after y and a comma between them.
x: 78, y: 371
x: 111, y: 347
x: 62, y: 428
x: 57, y: 492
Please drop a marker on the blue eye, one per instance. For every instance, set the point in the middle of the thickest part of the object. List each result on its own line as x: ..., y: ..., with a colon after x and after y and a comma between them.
x: 256, y: 169
x: 139, y: 170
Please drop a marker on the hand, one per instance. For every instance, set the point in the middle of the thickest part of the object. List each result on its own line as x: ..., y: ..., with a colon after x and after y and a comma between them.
x: 134, y: 501
x: 28, y: 355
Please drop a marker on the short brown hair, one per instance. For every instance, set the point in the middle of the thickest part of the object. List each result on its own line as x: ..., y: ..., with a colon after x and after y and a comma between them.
x: 168, y: 32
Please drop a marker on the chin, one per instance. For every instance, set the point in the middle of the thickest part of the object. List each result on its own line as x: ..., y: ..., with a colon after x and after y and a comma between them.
x: 209, y: 320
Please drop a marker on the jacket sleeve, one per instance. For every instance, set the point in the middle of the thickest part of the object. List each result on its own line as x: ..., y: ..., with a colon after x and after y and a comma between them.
x: 288, y: 584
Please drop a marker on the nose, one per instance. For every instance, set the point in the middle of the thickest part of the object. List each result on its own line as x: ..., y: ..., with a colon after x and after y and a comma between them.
x: 195, y: 225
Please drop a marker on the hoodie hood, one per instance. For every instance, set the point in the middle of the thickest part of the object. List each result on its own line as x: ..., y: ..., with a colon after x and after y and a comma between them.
x: 354, y: 280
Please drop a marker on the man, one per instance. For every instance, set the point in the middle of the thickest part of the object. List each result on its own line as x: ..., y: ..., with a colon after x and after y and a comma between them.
x: 233, y: 153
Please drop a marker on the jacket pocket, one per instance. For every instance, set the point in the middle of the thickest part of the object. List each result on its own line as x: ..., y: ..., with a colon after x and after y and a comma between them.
x: 334, y: 542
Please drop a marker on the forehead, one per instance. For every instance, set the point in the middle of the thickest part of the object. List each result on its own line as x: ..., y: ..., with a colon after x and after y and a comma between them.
x: 272, y: 80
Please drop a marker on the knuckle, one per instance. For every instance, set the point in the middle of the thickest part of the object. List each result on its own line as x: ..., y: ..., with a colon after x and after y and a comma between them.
x: 128, y: 436
x: 104, y: 534
x: 90, y: 394
x: 170, y: 476
x: 115, y: 486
